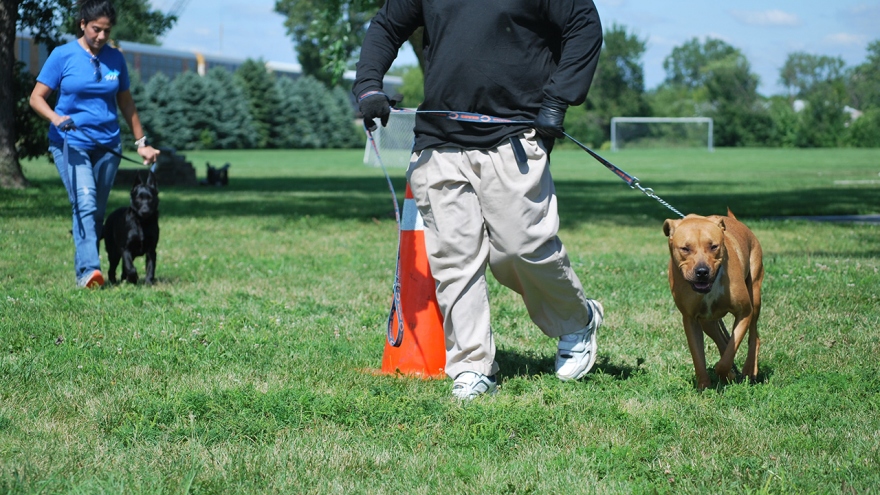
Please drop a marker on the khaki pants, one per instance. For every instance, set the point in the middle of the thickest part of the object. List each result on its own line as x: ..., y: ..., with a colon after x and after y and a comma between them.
x: 479, y: 207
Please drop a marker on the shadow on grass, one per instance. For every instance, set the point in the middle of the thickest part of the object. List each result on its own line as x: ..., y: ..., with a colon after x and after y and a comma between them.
x: 513, y: 363
x: 719, y: 385
x: 366, y: 198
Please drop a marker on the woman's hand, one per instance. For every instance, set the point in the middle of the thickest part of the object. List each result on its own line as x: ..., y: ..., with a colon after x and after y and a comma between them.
x: 149, y: 154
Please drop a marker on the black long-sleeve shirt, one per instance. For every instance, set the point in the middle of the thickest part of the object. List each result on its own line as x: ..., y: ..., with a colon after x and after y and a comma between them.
x: 494, y: 57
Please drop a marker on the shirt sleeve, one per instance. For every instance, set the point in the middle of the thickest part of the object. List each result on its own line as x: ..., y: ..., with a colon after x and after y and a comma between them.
x: 50, y: 74
x: 388, y: 31
x: 581, y: 33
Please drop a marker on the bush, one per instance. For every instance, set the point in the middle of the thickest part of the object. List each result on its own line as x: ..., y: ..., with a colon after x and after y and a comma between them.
x: 864, y: 132
x: 313, y: 116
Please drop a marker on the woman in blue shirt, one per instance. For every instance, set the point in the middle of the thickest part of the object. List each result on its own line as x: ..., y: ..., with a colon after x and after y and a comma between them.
x: 92, y: 80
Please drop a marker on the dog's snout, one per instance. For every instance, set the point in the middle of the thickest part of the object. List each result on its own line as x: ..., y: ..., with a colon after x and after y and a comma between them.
x: 702, y: 272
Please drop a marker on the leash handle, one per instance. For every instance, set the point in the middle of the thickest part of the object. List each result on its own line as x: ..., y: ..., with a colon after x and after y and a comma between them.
x: 476, y: 118
x: 396, y: 306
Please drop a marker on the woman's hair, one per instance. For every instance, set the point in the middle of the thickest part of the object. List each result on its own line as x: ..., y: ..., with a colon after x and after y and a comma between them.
x: 92, y: 10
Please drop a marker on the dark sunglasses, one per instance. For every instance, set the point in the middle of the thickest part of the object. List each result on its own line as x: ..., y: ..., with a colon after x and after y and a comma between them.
x: 97, y: 64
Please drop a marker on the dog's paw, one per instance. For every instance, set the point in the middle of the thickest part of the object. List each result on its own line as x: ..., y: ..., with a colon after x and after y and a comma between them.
x: 725, y: 373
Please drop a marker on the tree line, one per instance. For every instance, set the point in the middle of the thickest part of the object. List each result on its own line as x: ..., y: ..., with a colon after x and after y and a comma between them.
x: 245, y: 109
x: 708, y: 78
x: 250, y: 109
x: 711, y: 78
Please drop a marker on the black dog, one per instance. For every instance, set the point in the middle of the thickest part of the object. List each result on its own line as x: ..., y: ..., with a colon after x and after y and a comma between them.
x: 216, y: 176
x: 134, y: 231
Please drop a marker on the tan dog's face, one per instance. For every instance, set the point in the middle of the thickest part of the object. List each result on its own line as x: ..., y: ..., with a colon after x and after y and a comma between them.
x: 696, y: 245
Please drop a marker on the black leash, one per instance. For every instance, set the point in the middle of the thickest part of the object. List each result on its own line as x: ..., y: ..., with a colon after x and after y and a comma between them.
x: 631, y: 181
x: 68, y: 125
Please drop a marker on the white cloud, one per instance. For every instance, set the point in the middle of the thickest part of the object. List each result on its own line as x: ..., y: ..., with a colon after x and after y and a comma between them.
x: 846, y: 39
x: 773, y: 18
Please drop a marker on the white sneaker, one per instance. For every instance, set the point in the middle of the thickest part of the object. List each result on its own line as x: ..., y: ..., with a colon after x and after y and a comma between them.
x: 576, y: 352
x: 470, y: 384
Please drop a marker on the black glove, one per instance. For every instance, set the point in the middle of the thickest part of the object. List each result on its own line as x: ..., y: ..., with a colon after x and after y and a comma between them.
x: 67, y: 125
x: 548, y: 123
x: 373, y: 105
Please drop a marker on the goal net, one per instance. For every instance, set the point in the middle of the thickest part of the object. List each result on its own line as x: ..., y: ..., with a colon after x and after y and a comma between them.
x: 661, y: 132
x: 394, y: 141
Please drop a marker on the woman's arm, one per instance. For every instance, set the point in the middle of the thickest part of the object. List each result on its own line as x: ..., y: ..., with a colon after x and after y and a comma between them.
x: 129, y: 112
x: 40, y: 104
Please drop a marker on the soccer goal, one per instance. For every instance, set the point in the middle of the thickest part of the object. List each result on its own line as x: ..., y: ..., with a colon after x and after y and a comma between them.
x: 665, y: 132
x: 395, y: 141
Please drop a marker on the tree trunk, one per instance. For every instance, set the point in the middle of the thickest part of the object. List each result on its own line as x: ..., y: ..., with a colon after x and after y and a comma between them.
x: 10, y: 169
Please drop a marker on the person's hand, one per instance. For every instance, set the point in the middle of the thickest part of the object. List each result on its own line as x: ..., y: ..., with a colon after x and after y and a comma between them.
x: 66, y: 124
x: 374, y: 105
x: 149, y: 154
x: 548, y: 123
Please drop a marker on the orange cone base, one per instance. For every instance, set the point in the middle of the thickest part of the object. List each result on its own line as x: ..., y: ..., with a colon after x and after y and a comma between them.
x: 422, y: 351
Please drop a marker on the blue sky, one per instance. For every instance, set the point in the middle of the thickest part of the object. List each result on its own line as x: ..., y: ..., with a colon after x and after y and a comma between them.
x: 765, y: 31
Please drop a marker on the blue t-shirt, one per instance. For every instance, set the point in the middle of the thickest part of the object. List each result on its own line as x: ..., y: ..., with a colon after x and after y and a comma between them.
x: 87, y: 96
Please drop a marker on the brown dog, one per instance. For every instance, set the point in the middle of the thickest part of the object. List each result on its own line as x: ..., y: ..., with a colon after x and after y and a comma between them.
x: 716, y: 268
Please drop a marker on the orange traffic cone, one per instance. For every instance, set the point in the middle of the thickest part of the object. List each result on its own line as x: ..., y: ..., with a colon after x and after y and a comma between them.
x: 419, y: 347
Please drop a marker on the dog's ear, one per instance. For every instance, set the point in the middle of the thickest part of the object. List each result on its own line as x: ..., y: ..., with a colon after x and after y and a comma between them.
x: 137, y: 180
x: 721, y: 224
x: 151, y: 179
x: 669, y: 227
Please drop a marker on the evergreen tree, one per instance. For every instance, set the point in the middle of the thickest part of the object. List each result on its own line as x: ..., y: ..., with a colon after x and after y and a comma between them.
x: 153, y: 109
x: 188, y: 124
x: 316, y: 117
x: 228, y: 107
x: 292, y: 123
x: 263, y: 100
x: 306, y: 99
x: 344, y: 134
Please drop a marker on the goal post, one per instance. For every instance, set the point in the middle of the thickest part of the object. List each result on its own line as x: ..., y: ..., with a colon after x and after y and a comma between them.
x: 394, y: 141
x: 654, y: 133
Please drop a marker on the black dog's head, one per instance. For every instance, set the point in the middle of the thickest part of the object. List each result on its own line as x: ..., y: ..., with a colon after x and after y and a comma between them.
x: 217, y: 176
x: 145, y: 196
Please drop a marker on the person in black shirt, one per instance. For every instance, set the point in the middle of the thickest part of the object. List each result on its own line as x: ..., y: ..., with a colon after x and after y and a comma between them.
x: 484, y: 190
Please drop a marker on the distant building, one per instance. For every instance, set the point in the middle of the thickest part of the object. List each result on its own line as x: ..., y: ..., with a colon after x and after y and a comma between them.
x: 149, y: 60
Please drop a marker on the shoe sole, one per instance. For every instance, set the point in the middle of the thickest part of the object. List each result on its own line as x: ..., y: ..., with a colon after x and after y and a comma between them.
x: 96, y: 280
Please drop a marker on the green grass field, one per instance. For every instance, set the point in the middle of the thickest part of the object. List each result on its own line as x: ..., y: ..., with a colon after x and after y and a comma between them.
x: 248, y: 368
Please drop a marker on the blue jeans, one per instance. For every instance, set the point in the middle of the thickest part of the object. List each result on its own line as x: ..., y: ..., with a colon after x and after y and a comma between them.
x: 88, y: 177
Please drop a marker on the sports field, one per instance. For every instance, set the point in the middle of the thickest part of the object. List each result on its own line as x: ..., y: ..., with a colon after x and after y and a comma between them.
x: 247, y: 367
